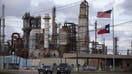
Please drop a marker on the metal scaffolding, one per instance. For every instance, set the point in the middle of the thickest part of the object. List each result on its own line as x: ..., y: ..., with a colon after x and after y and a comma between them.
x: 72, y: 36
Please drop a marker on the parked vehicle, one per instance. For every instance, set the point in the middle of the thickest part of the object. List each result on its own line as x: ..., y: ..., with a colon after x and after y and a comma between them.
x: 45, y: 69
x: 63, y: 68
x: 89, y: 68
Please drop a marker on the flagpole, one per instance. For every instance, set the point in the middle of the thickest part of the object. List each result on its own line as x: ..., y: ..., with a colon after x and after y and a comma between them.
x: 95, y: 33
x: 113, y: 39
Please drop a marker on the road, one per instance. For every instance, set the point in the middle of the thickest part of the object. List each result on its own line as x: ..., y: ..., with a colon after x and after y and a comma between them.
x: 36, y: 72
x: 21, y: 71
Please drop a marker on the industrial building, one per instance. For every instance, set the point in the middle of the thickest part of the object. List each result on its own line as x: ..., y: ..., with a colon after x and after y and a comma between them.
x: 26, y: 29
x: 104, y: 61
x: 67, y: 38
x: 36, y: 36
x: 38, y: 42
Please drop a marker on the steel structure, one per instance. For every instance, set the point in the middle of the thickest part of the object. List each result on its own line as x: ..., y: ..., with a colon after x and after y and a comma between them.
x: 83, y: 27
x: 26, y: 29
x: 72, y: 36
x: 54, y: 30
x: 2, y: 29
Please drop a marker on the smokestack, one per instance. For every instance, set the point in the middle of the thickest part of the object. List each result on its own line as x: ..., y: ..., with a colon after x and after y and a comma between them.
x: 54, y: 29
x: 2, y: 27
x: 53, y: 19
x: 46, y: 36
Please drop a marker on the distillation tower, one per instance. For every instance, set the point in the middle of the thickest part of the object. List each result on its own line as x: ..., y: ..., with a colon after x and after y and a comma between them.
x: 46, y: 36
x: 83, y: 27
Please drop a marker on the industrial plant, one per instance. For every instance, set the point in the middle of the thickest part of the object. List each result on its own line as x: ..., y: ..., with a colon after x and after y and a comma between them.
x: 68, y: 42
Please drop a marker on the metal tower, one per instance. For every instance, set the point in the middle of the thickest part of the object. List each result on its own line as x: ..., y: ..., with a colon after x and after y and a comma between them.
x: 83, y: 27
x: 2, y: 28
x: 54, y: 30
x: 26, y: 29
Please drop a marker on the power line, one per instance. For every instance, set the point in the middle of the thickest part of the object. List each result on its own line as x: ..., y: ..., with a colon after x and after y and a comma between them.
x: 123, y: 23
x: 59, y: 7
x: 13, y: 21
x: 73, y: 5
x: 120, y: 24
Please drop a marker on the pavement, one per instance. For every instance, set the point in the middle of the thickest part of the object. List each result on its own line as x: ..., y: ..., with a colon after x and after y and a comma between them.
x: 23, y: 71
x: 83, y: 72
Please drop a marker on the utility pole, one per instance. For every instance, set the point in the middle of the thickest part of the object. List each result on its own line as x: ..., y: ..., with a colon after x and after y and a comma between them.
x: 0, y: 33
x: 131, y: 47
x: 115, y: 45
x: 95, y: 34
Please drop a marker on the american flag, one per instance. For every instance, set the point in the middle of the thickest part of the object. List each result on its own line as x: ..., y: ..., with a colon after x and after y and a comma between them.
x: 104, y: 14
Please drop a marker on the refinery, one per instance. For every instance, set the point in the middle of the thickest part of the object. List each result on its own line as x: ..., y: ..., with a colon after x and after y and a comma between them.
x: 59, y: 43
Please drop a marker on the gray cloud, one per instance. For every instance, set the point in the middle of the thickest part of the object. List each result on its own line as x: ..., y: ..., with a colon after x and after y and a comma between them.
x: 13, y: 24
x: 71, y: 12
x: 15, y: 7
x: 127, y: 7
x: 43, y: 7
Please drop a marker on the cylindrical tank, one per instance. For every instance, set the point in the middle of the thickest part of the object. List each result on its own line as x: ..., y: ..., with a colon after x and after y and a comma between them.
x: 34, y: 40
x: 46, y: 36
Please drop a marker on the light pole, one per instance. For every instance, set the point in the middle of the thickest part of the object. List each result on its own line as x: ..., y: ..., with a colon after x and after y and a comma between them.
x: 131, y: 47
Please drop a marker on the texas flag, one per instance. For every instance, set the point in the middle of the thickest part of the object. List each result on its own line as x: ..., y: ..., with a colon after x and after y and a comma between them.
x: 104, y: 14
x: 104, y: 30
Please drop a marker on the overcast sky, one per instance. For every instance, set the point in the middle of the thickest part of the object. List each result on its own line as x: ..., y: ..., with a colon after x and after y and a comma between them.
x: 68, y: 10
